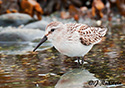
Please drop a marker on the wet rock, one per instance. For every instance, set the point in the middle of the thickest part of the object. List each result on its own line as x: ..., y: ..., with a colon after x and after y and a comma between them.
x: 17, y: 34
x: 37, y: 25
x: 19, y: 41
x: 46, y: 20
x: 14, y: 19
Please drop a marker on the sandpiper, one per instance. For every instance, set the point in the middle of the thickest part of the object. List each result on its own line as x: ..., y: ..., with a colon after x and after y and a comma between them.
x: 72, y: 39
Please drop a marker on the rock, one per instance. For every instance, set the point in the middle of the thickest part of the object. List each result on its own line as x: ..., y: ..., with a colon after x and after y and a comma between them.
x: 14, y: 19
x: 17, y: 34
x: 37, y: 25
x: 19, y: 41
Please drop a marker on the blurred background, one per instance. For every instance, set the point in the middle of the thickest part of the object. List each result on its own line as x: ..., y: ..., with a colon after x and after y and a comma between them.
x: 22, y: 25
x: 95, y: 9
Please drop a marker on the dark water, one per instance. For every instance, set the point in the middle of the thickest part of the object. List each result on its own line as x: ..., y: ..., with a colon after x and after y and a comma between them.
x: 44, y: 68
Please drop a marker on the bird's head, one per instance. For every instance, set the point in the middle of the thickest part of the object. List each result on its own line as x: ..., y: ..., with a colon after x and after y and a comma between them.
x: 51, y: 30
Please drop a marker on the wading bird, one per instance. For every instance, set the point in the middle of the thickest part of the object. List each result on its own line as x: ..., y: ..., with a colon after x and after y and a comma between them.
x: 72, y: 39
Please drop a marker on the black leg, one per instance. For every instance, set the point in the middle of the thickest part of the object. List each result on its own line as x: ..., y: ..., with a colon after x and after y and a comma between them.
x: 82, y: 60
x: 78, y: 63
x: 78, y: 58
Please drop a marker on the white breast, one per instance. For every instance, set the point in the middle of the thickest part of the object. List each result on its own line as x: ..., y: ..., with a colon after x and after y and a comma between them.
x: 72, y: 49
x: 70, y: 46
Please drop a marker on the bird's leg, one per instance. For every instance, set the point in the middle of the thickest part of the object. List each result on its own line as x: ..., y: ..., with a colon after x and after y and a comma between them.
x: 82, y: 60
x: 78, y: 64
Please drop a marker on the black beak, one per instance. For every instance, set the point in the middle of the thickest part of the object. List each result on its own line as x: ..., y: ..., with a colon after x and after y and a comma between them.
x: 41, y: 42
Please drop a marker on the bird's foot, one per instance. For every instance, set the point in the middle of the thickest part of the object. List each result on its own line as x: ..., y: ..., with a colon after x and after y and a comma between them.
x: 80, y: 62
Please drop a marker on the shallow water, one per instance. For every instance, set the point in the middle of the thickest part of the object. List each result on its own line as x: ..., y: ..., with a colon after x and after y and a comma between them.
x: 14, y: 48
x: 43, y: 69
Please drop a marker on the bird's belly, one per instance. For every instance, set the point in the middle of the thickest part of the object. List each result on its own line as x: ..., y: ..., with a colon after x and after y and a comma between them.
x: 72, y: 49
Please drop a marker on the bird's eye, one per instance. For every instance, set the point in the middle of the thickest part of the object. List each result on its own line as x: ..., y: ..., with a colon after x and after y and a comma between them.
x: 52, y: 30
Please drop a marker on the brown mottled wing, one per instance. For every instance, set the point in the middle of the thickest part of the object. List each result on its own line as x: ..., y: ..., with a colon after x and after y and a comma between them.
x: 91, y: 35
x: 71, y: 27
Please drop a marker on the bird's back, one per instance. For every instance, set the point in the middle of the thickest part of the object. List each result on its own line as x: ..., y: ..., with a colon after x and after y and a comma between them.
x: 87, y: 35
